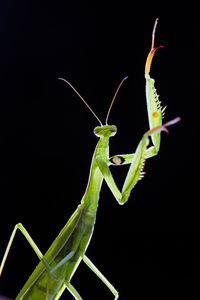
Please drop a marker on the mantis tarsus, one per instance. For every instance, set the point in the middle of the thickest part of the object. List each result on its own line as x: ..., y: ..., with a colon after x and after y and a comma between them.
x: 56, y: 268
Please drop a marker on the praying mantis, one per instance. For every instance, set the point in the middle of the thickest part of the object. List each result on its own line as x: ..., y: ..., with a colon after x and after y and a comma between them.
x: 55, y: 270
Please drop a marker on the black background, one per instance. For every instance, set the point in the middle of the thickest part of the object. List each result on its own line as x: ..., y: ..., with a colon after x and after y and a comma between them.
x: 150, y: 246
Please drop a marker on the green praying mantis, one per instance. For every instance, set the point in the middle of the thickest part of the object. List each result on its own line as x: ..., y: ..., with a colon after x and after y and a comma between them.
x: 56, y: 268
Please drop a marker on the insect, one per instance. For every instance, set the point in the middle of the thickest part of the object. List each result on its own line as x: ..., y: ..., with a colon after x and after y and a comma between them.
x: 56, y: 268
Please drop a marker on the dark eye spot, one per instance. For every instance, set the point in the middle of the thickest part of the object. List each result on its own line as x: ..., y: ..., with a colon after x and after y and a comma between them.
x: 117, y: 160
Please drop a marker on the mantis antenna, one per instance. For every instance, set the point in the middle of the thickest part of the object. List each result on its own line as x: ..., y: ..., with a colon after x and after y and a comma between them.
x: 114, y: 98
x: 81, y: 99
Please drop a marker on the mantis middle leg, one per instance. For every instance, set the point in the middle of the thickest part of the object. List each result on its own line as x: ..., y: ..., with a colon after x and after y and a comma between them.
x: 33, y: 245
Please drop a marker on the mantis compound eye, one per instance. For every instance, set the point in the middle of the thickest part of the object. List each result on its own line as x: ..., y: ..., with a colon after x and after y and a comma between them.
x: 113, y: 131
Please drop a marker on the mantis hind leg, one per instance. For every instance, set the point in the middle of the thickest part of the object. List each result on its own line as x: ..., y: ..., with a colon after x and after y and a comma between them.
x: 101, y: 276
x: 88, y: 262
x: 33, y: 245
x: 73, y: 291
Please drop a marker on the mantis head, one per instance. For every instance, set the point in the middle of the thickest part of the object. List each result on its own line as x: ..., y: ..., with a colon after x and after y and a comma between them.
x: 105, y: 131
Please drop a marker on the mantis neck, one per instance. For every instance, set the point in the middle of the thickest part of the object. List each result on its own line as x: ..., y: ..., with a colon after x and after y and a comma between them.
x: 91, y: 196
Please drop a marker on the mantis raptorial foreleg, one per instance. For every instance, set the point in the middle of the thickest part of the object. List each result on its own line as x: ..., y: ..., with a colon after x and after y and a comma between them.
x: 155, y: 111
x: 135, y: 172
x: 125, y: 159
